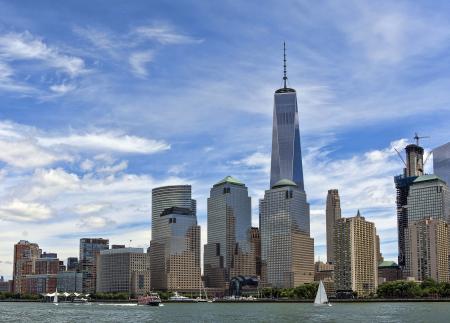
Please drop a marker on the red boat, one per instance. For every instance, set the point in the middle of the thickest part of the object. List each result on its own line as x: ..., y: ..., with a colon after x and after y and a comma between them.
x: 152, y: 300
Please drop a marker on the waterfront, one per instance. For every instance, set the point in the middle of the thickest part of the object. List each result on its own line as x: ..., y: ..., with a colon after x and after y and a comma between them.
x: 220, y: 312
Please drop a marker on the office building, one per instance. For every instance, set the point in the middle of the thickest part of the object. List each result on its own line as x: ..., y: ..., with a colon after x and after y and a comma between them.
x: 25, y: 255
x: 124, y: 270
x: 175, y: 244
x: 287, y: 251
x: 389, y: 271
x: 333, y: 212
x: 380, y: 257
x: 429, y: 197
x: 5, y: 286
x: 72, y: 264
x: 413, y: 169
x: 286, y: 162
x: 356, y: 263
x: 255, y: 245
x: 70, y: 282
x: 427, y: 250
x: 441, y: 162
x: 89, y: 250
x: 228, y: 252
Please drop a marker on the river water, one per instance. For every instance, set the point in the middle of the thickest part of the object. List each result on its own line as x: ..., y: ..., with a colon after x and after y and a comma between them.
x: 220, y: 312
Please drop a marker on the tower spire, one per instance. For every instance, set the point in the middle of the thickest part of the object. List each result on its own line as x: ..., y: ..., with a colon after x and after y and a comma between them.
x: 284, y: 60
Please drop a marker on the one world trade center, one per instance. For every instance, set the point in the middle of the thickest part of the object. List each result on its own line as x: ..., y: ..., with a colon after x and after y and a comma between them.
x: 286, y: 150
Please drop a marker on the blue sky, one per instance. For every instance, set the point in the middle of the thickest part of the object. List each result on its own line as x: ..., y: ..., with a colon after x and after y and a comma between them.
x: 102, y: 101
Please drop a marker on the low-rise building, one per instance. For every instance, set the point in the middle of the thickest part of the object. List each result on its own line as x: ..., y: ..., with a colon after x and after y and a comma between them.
x: 388, y: 271
x: 70, y: 282
x: 123, y: 270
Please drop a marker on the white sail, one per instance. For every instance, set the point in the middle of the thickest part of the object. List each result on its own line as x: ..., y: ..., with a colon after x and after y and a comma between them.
x: 55, y: 299
x: 321, y: 296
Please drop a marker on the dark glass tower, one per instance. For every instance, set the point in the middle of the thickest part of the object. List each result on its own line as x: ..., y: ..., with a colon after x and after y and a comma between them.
x: 286, y: 149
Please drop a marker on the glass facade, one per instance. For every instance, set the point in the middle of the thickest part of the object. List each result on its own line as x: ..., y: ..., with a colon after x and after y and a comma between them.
x: 441, y: 162
x: 286, y: 149
x: 228, y: 252
x: 175, y: 244
x: 89, y: 250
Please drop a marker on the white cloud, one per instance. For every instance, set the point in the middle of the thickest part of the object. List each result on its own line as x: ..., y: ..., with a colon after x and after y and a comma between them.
x: 25, y: 46
x: 138, y: 62
x: 19, y: 148
x: 391, y: 34
x: 90, y: 208
x: 95, y: 223
x: 106, y: 141
x: 166, y: 35
x: 62, y: 88
x: 20, y: 211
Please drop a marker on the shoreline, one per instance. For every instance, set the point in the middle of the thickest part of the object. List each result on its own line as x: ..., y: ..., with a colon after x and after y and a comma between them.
x: 374, y: 300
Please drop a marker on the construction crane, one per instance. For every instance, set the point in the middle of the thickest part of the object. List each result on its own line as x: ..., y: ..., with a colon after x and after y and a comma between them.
x: 416, y: 138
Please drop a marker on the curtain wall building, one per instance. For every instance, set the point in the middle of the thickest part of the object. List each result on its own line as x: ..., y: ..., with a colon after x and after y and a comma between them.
x: 286, y: 160
x: 441, y: 162
x: 287, y: 251
x: 356, y: 260
x: 229, y: 251
x: 333, y: 213
x: 175, y: 244
x: 89, y: 250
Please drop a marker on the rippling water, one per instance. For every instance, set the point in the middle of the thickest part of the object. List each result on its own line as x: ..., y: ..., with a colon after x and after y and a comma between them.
x: 219, y: 312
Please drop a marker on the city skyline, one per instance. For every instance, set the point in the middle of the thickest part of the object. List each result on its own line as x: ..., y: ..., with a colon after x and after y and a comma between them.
x: 85, y: 140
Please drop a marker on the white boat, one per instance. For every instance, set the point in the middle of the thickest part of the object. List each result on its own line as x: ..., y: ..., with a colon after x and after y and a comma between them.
x: 321, y: 296
x: 179, y: 298
x: 55, y: 298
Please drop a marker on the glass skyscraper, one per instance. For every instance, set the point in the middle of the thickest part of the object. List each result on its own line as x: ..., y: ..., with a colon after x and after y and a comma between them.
x: 441, y: 162
x: 286, y: 150
x: 175, y: 244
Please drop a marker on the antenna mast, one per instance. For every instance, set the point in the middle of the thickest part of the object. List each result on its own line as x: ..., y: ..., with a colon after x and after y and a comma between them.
x: 284, y: 60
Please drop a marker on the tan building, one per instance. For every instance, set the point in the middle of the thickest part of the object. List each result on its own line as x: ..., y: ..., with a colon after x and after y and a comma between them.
x: 25, y: 256
x: 287, y: 251
x: 427, y: 250
x: 175, y: 244
x: 333, y: 212
x: 123, y: 270
x: 175, y: 252
x: 356, y: 265
x: 380, y: 257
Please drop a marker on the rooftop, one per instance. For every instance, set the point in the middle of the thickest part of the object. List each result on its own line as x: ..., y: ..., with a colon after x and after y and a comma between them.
x: 284, y: 90
x: 426, y: 178
x: 230, y: 180
x: 387, y: 264
x: 284, y: 182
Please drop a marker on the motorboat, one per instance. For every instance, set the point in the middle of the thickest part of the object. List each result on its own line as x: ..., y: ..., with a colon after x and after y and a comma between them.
x: 152, y: 300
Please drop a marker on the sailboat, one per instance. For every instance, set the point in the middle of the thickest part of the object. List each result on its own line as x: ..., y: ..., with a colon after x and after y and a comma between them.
x: 321, y: 296
x: 55, y: 299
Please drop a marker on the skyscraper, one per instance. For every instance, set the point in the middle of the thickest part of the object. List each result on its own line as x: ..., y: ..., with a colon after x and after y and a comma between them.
x: 441, y: 162
x: 228, y: 252
x: 25, y: 256
x: 333, y: 213
x: 286, y: 150
x: 356, y: 260
x: 287, y: 251
x: 427, y: 250
x: 429, y: 197
x: 413, y: 169
x: 89, y: 250
x: 175, y: 244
